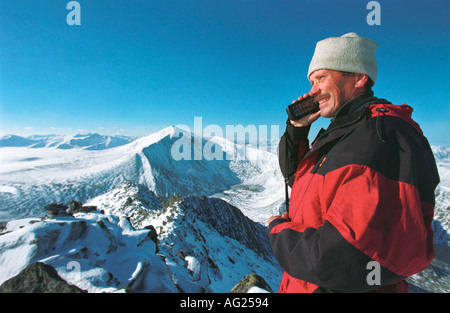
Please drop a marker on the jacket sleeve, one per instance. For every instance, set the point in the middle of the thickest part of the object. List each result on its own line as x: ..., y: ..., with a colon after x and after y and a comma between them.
x: 292, y: 147
x: 379, y: 210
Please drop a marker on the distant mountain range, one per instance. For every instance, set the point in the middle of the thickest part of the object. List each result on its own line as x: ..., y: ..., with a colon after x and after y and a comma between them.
x: 83, y: 141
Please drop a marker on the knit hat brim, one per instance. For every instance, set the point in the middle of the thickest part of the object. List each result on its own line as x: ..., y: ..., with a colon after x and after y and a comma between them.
x: 349, y: 53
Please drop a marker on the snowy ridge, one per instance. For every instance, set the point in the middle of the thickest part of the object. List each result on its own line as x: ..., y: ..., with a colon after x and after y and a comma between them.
x: 195, y: 251
x: 32, y: 178
x: 204, y: 243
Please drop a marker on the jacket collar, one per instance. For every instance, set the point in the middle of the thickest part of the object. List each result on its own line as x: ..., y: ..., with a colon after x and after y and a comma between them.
x: 348, y: 115
x: 354, y: 108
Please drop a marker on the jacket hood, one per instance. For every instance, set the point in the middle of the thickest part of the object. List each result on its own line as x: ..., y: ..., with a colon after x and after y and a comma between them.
x: 403, y: 111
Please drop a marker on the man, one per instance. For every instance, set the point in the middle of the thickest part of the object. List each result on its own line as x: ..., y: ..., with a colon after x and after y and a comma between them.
x: 362, y: 197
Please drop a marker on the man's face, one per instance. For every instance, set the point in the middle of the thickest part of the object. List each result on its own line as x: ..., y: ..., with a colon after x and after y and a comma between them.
x: 331, y: 89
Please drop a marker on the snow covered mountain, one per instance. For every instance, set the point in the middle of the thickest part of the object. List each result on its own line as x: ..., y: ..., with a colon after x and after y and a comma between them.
x: 442, y: 211
x: 436, y: 277
x: 87, y: 141
x: 31, y: 178
x: 204, y: 242
x: 203, y: 245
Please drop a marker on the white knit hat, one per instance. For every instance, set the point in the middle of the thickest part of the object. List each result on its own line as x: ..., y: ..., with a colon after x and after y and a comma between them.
x: 349, y: 53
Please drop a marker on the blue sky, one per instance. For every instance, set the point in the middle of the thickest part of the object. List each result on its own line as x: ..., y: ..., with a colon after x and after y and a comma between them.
x: 134, y: 67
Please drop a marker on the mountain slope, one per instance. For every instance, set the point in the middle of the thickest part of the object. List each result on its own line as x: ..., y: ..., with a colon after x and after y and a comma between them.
x: 435, y: 277
x: 441, y: 222
x: 195, y: 251
x: 32, y: 178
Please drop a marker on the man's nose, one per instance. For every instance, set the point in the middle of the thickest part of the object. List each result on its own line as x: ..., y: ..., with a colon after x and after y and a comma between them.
x: 314, y: 91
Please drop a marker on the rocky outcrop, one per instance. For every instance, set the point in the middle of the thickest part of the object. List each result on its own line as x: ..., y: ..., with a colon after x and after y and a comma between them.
x: 93, y: 251
x: 38, y: 278
x: 60, y: 209
x: 229, y: 221
x: 78, y: 207
x: 133, y: 243
x: 250, y: 281
x: 134, y: 201
x: 56, y: 209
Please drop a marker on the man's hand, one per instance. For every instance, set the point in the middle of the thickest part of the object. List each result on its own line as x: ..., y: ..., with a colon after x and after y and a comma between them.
x: 285, y: 215
x: 308, y: 119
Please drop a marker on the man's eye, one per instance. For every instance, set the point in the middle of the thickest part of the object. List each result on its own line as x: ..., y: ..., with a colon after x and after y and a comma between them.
x: 318, y: 79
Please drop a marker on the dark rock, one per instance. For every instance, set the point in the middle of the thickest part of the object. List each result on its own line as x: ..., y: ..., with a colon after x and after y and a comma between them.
x: 152, y: 234
x: 75, y: 206
x: 56, y: 209
x: 77, y: 230
x: 249, y: 281
x: 3, y: 226
x: 87, y: 208
x: 128, y: 202
x: 181, y: 254
x: 78, y: 207
x: 38, y: 278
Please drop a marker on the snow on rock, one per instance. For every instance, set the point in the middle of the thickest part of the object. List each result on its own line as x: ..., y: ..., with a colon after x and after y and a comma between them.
x: 196, y: 251
x: 228, y: 221
x: 252, y: 283
x: 435, y: 277
x: 207, y: 244
x: 257, y: 290
x: 38, y: 278
x: 95, y: 252
x: 128, y: 199
x: 441, y: 222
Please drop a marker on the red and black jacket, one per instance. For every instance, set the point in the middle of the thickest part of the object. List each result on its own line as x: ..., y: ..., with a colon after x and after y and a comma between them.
x: 363, y: 191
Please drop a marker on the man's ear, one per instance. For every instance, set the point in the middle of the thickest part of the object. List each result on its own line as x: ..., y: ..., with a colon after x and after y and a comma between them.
x: 361, y: 80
